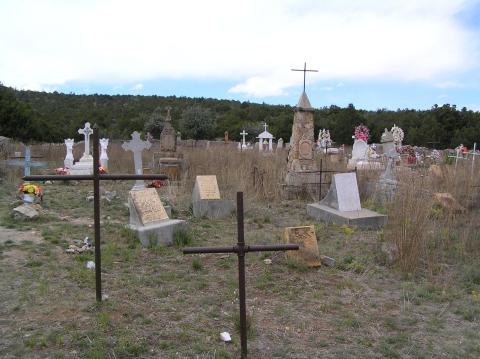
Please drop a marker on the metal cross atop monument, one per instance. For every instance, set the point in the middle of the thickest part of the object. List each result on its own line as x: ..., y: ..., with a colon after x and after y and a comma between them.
x: 304, y: 73
x: 96, y: 178
x: 240, y: 249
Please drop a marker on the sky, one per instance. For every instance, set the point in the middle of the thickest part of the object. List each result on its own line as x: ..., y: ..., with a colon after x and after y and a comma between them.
x: 375, y: 54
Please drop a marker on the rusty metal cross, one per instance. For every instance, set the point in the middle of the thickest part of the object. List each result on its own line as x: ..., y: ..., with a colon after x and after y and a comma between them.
x: 240, y: 249
x: 96, y: 178
x: 304, y: 70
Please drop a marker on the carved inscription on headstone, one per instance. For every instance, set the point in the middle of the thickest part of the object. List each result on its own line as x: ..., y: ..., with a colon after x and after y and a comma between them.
x: 305, y: 150
x: 305, y: 237
x: 148, y: 205
x: 208, y: 187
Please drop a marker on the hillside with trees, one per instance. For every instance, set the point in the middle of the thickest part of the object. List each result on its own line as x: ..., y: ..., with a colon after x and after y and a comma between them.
x: 49, y: 117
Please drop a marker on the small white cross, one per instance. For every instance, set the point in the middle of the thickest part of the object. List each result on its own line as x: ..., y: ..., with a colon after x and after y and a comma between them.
x: 265, y: 125
x: 86, y: 131
x: 243, y: 134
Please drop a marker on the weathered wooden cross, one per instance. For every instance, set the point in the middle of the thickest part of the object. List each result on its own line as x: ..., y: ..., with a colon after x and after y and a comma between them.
x: 240, y: 248
x: 304, y: 73
x: 96, y: 178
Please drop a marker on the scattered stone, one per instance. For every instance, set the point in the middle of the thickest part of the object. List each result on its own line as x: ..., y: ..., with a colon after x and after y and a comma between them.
x: 327, y: 261
x: 110, y: 195
x: 225, y: 337
x: 89, y: 198
x: 27, y: 211
x: 90, y: 265
x: 267, y: 261
x: 391, y: 252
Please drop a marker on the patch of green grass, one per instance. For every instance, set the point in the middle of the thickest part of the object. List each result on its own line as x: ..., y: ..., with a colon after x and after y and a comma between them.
x: 296, y: 265
x: 196, y: 264
x: 182, y: 238
x: 469, y: 311
x: 130, y: 347
x: 471, y: 276
x: 249, y: 324
x: 265, y: 280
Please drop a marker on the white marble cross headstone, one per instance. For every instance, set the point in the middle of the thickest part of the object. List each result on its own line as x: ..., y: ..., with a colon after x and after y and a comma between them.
x: 136, y: 145
x: 86, y: 131
x: 243, y: 134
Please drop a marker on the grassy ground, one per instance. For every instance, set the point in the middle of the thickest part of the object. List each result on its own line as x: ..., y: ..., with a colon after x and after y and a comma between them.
x: 162, y: 304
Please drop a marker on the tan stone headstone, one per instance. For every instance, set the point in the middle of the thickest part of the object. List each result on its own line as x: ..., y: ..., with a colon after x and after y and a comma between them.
x: 207, y: 187
x: 308, y: 252
x: 148, y: 205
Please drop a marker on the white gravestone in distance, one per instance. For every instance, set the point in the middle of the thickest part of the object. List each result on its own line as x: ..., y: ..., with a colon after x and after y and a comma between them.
x: 244, y: 144
x: 68, y: 162
x: 103, y: 153
x: 85, y: 165
x: 279, y: 144
x: 359, y: 150
x: 136, y: 145
x: 343, y: 193
x: 86, y: 131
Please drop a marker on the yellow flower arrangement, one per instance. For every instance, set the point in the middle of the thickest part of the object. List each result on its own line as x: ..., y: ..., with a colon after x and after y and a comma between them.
x: 32, y: 189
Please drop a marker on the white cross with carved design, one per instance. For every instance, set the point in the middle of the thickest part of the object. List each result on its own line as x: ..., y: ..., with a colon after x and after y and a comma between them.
x: 243, y: 134
x: 86, y: 131
x: 136, y: 145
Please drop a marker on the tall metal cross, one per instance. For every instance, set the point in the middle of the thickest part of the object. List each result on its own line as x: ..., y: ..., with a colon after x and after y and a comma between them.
x: 240, y: 249
x: 304, y: 73
x: 96, y: 178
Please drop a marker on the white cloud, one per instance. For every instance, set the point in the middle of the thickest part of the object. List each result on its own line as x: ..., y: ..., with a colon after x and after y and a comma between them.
x: 49, y: 43
x: 137, y: 87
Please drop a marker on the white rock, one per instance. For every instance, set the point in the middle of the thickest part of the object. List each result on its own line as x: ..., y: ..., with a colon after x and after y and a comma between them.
x: 91, y: 265
x: 267, y: 261
x: 225, y: 337
x: 27, y: 210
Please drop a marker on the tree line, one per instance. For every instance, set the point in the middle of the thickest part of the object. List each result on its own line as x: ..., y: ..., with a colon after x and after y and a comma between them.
x: 50, y: 117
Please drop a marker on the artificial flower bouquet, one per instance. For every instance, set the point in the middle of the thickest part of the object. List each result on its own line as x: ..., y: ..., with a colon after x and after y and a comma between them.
x: 362, y: 133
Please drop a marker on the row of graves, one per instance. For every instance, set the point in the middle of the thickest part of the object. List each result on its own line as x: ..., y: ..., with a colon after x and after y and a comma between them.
x: 152, y: 221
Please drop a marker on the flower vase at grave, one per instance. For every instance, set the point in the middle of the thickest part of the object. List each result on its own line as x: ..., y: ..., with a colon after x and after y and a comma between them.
x: 28, y: 198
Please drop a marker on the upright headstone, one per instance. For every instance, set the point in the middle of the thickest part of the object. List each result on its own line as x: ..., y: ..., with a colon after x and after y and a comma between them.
x: 308, y: 252
x: 136, y: 145
x: 342, y: 205
x: 103, y: 153
x: 244, y: 144
x: 168, y: 139
x: 149, y: 219
x: 388, y: 144
x: 86, y: 132
x: 225, y: 137
x: 206, y: 201
x: 301, y: 164
x: 280, y: 144
x: 85, y: 165
x: 359, y: 150
x: 68, y: 161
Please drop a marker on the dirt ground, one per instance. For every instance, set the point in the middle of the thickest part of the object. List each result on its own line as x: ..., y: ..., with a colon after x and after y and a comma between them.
x: 163, y: 304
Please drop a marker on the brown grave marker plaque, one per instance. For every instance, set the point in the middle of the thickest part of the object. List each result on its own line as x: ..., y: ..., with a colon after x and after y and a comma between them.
x: 305, y: 237
x: 148, y: 205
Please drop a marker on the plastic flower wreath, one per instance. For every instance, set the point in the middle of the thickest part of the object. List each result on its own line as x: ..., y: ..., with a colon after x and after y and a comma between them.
x: 33, y: 189
x: 397, y: 134
x: 362, y: 133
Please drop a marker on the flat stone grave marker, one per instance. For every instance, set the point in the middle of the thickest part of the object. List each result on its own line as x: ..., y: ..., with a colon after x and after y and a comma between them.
x: 342, y: 205
x: 343, y: 193
x: 148, y: 206
x: 206, y: 201
x: 207, y: 187
x: 308, y: 252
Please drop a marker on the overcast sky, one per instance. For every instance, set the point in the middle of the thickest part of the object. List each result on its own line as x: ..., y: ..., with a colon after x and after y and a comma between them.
x: 374, y: 54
